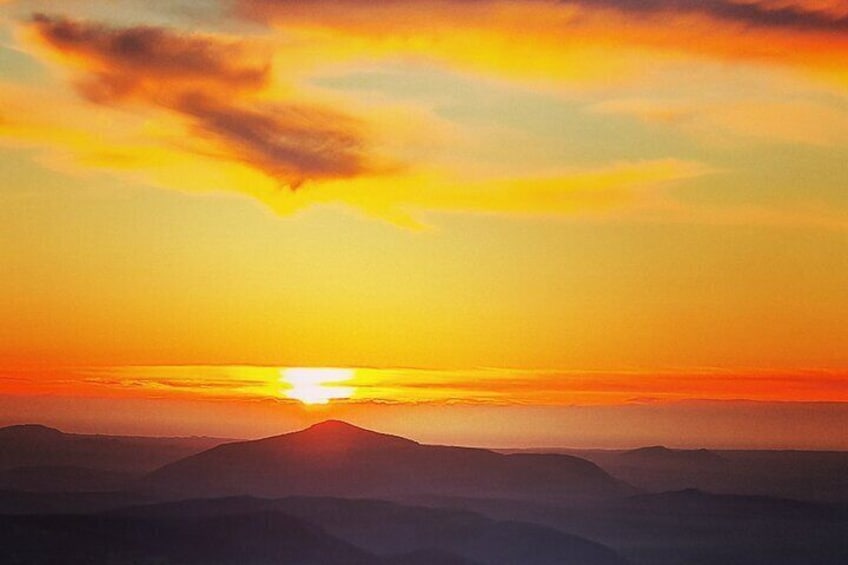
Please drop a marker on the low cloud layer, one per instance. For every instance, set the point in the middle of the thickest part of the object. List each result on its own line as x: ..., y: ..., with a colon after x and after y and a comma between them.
x: 485, y: 386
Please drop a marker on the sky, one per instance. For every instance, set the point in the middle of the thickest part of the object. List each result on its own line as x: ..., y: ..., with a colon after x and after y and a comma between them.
x: 501, y: 222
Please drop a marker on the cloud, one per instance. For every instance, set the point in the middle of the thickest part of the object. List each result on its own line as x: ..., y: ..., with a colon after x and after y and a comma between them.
x: 814, y: 15
x: 215, y: 86
x: 130, y: 59
x: 803, y: 15
x: 590, y: 191
x: 206, y: 101
x: 286, y: 141
x: 577, y: 40
x: 494, y: 386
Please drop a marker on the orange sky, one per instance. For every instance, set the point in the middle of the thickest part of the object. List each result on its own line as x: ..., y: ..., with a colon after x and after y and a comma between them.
x: 474, y: 206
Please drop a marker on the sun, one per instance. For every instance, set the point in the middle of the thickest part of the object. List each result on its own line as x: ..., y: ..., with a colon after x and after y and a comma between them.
x: 313, y: 385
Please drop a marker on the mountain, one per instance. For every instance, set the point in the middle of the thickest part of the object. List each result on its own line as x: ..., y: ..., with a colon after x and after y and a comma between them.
x: 258, y: 538
x: 385, y: 527
x: 22, y: 502
x: 334, y: 458
x: 34, y: 445
x: 690, y: 527
x: 818, y: 476
x: 428, y: 557
x: 661, y: 455
x: 415, y: 533
x: 29, y: 432
x: 63, y: 479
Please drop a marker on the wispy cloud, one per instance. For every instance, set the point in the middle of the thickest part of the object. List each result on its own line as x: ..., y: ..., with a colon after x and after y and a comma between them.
x: 595, y: 191
x: 487, y: 386
x: 578, y: 39
x: 219, y: 93
x: 214, y: 85
x: 206, y: 111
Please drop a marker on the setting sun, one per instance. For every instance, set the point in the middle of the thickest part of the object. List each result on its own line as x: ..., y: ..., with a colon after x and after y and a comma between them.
x: 317, y: 385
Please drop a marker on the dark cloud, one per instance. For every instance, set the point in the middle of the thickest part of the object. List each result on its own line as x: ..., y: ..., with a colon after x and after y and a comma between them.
x: 143, y: 53
x: 798, y: 15
x: 212, y: 83
x: 761, y: 14
x: 295, y: 143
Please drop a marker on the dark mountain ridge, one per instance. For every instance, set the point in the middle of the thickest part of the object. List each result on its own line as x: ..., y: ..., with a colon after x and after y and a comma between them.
x: 63, y: 478
x: 30, y: 432
x: 820, y: 476
x: 258, y: 538
x: 386, y: 528
x: 338, y: 459
x: 662, y: 454
x: 35, y: 445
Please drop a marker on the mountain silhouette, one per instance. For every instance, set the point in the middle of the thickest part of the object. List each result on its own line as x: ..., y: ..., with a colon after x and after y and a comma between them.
x: 62, y: 478
x: 35, y: 445
x: 335, y: 458
x: 29, y: 432
x: 261, y: 538
x: 661, y: 455
x: 417, y: 534
x: 428, y: 557
x: 692, y: 527
x: 816, y: 476
x: 695, y: 502
x: 336, y: 494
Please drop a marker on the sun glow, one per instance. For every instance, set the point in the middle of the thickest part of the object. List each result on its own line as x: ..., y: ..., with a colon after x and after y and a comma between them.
x: 312, y: 385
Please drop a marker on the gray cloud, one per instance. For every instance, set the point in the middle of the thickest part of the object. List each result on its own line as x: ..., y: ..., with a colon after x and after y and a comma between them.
x: 211, y: 83
x: 797, y: 15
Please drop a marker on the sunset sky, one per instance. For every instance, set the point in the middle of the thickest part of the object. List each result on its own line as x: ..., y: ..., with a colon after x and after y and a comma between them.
x: 510, y: 222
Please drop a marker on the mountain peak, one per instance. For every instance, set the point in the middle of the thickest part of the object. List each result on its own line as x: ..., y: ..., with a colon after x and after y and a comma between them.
x: 329, y: 436
x: 335, y: 426
x: 335, y: 458
x: 337, y: 433
x: 650, y: 450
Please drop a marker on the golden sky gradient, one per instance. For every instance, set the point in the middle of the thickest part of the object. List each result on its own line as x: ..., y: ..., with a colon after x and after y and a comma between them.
x: 471, y: 204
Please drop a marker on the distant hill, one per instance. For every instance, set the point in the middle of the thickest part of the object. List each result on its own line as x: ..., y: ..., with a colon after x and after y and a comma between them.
x: 425, y: 535
x: 820, y: 476
x: 23, y: 502
x: 690, y: 527
x: 34, y: 445
x: 330, y: 494
x: 260, y: 538
x: 338, y: 459
x: 694, y: 502
x: 63, y: 479
x: 661, y: 455
x: 428, y: 557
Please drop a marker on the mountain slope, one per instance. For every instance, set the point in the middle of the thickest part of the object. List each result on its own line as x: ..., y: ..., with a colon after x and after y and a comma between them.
x: 259, y: 538
x: 416, y: 533
x: 693, y: 527
x: 337, y: 459
x: 820, y: 476
x: 62, y: 478
x: 34, y: 445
